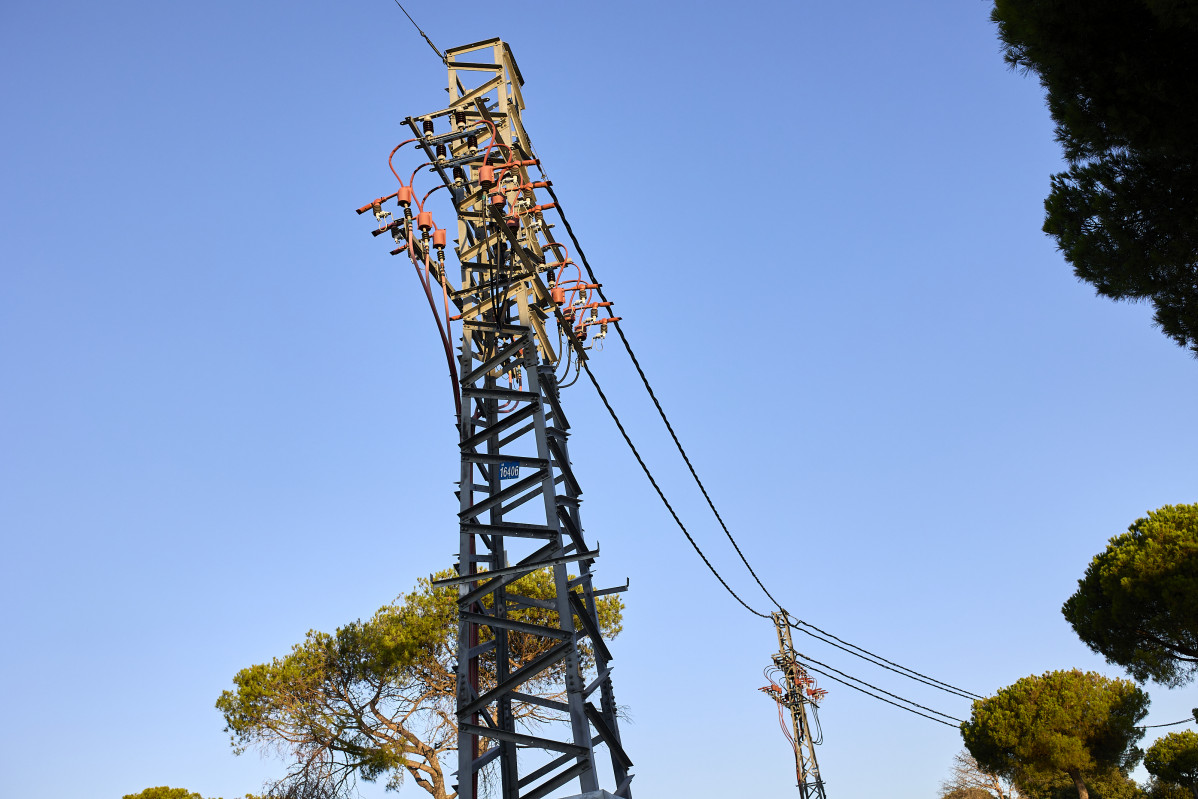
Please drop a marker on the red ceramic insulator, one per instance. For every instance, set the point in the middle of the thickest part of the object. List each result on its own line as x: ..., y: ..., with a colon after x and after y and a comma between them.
x: 424, y: 220
x: 498, y: 200
x: 557, y: 294
x: 404, y: 196
x: 439, y: 238
x: 486, y: 176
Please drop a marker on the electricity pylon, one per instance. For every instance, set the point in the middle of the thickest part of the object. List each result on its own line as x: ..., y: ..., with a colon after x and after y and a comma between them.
x: 799, y: 691
x: 522, y: 317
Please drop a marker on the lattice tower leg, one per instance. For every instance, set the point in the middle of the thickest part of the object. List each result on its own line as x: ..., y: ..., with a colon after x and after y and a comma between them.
x: 495, y: 438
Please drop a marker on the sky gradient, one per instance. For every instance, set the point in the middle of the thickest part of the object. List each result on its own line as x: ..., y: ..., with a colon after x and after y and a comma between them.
x: 224, y: 418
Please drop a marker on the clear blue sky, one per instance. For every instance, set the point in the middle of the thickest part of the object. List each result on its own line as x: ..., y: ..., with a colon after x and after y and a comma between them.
x: 223, y: 416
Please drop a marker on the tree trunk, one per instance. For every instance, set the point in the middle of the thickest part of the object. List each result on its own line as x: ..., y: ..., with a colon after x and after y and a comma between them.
x: 1082, y: 791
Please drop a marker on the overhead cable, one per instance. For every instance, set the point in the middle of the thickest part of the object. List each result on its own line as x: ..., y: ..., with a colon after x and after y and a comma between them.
x: 880, y: 698
x: 1170, y: 724
x: 682, y: 451
x: 896, y: 668
x: 899, y: 669
x: 805, y: 658
x: 436, y: 49
x: 661, y: 411
x: 665, y: 501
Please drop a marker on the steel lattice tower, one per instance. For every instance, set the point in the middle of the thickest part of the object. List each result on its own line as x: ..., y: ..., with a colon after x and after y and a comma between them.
x: 518, y: 496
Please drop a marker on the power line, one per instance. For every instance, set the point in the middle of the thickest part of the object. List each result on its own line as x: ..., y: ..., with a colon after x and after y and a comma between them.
x: 1170, y: 724
x: 657, y: 488
x: 901, y: 670
x: 906, y: 672
x: 627, y: 440
x: 897, y: 668
x: 661, y: 411
x: 682, y: 451
x: 880, y: 698
x: 436, y: 49
x: 881, y: 690
x: 913, y: 675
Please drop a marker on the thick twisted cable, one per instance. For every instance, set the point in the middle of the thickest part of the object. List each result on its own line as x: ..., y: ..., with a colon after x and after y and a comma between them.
x: 906, y: 672
x: 660, y: 494
x: 806, y: 658
x: 881, y: 698
x: 661, y: 411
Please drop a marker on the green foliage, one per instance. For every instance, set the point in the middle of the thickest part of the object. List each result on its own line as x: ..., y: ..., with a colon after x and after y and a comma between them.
x: 163, y: 792
x: 1063, y: 723
x: 375, y: 699
x: 1173, y: 759
x: 1119, y: 81
x: 968, y: 793
x: 1158, y: 789
x: 1111, y: 784
x: 1137, y: 604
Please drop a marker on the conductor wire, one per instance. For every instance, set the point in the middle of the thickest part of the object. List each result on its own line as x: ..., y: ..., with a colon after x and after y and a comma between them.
x: 883, y: 699
x: 661, y: 412
x: 657, y: 488
x: 710, y: 503
x: 436, y: 49
x: 1170, y: 724
x: 876, y: 688
x: 926, y: 680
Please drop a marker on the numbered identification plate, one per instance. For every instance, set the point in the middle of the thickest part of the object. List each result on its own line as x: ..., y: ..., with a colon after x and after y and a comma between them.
x: 509, y: 470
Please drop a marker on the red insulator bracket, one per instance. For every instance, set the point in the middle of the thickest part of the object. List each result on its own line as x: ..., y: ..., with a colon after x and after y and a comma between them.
x: 375, y: 204
x: 397, y: 223
x: 603, y: 321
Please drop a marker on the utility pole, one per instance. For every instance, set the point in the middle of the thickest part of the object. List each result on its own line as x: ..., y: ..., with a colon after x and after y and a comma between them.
x: 797, y: 692
x: 523, y: 315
